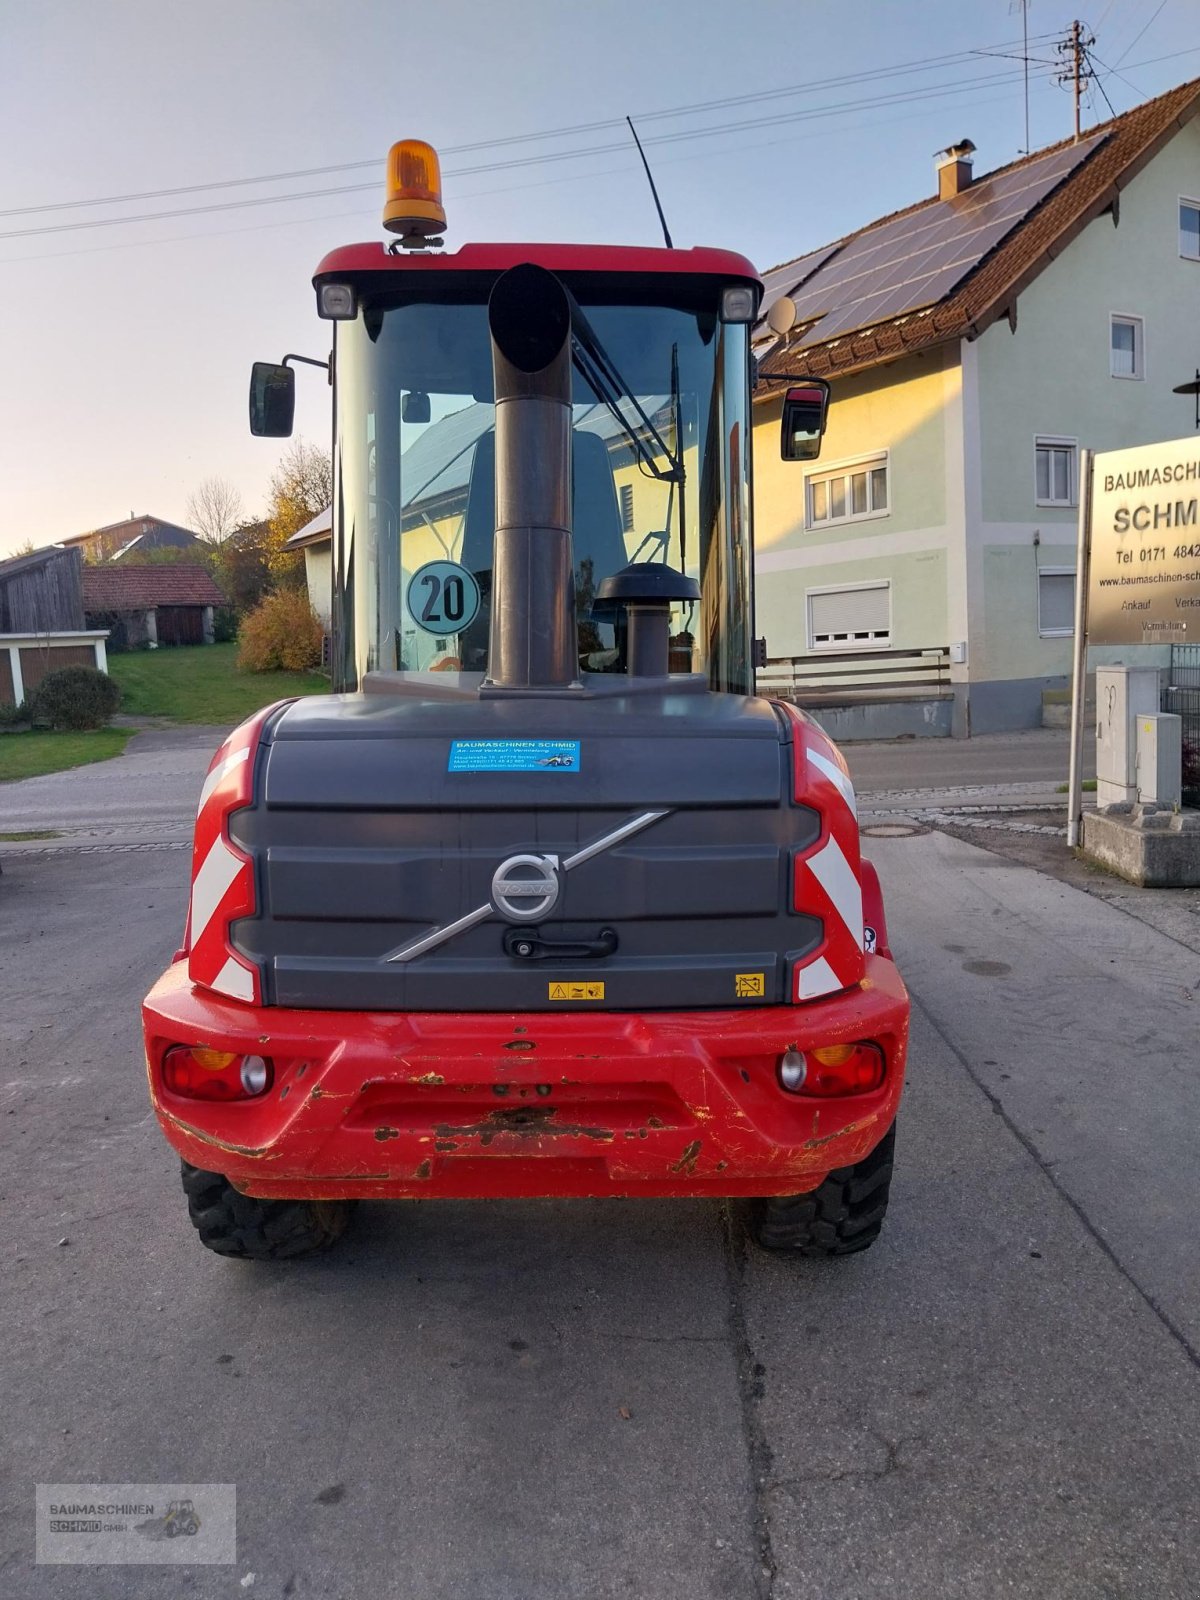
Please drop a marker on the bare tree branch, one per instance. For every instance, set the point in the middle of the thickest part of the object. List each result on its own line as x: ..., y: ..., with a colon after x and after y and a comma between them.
x: 213, y: 510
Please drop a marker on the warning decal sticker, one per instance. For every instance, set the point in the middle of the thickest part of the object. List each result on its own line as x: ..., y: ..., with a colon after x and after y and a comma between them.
x: 749, y: 985
x: 577, y: 991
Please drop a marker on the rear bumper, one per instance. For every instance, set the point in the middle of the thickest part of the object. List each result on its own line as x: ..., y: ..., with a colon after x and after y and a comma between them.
x: 421, y: 1105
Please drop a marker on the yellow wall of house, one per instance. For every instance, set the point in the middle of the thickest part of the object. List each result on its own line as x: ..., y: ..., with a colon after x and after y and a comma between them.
x: 904, y: 409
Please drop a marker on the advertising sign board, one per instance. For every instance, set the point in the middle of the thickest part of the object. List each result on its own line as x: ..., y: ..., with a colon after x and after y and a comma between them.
x: 1145, y: 545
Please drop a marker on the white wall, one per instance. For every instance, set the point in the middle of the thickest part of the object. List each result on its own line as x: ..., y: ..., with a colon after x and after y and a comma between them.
x: 318, y: 574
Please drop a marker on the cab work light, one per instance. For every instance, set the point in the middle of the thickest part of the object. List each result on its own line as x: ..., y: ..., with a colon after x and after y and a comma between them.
x: 336, y: 302
x: 833, y: 1069
x: 196, y: 1073
x: 738, y: 303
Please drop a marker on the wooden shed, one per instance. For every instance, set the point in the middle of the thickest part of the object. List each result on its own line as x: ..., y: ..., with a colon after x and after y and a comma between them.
x: 42, y: 621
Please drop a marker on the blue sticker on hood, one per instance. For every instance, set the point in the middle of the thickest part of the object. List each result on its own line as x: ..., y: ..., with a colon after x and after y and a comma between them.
x: 514, y: 755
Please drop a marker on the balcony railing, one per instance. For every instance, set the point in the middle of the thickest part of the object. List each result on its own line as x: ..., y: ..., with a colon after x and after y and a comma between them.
x: 841, y: 677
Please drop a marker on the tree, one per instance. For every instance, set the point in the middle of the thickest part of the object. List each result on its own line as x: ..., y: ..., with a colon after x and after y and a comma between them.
x: 213, y: 509
x: 242, y: 567
x: 301, y: 486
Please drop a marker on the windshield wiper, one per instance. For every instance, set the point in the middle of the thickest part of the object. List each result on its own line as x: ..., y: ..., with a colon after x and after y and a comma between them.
x: 610, y: 388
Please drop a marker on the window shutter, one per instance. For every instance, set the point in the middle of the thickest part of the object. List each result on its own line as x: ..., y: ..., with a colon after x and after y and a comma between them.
x: 1056, y: 602
x: 845, y: 614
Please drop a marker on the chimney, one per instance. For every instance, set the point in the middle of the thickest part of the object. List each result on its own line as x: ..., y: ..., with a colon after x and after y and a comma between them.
x: 954, y: 169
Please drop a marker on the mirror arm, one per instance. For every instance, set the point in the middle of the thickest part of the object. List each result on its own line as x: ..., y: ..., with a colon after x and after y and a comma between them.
x: 308, y: 361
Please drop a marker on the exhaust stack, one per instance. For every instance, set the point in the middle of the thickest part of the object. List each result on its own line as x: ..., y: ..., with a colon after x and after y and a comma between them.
x: 533, y: 642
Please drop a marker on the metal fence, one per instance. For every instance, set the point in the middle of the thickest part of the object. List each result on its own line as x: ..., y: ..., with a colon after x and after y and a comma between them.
x: 1182, y: 696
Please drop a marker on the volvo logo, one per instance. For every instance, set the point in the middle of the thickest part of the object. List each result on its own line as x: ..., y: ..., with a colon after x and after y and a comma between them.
x: 525, y: 888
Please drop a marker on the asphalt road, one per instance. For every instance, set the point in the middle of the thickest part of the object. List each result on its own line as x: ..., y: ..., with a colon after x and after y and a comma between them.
x: 1037, y: 756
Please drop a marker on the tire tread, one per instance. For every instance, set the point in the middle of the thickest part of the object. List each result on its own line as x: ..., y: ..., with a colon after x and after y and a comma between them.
x: 240, y: 1226
x: 842, y: 1216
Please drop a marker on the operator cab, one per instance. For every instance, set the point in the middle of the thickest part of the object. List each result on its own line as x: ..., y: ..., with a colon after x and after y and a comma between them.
x: 660, y: 421
x: 658, y: 501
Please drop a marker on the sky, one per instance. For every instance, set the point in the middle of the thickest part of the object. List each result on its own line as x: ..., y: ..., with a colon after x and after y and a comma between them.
x: 126, y: 334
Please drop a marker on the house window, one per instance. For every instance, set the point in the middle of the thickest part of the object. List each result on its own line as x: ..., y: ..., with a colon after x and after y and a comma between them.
x: 1054, y: 474
x: 856, y: 617
x: 626, y: 508
x: 1189, y: 229
x: 848, y: 493
x: 1125, y: 348
x: 1056, y: 602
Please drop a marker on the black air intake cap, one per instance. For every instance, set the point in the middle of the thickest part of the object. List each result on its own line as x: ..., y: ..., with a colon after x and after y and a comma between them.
x: 646, y: 582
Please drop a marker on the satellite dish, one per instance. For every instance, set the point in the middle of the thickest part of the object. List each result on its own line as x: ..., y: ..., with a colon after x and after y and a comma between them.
x: 782, y: 316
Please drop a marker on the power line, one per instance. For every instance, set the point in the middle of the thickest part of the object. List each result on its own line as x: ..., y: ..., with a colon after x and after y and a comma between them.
x: 491, y: 190
x: 713, y: 130
x: 921, y: 64
x: 1094, y: 80
x: 471, y: 194
x: 1113, y: 73
x: 1142, y: 30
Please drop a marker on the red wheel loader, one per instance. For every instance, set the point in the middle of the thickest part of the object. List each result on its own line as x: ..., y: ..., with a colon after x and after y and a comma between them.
x: 542, y: 899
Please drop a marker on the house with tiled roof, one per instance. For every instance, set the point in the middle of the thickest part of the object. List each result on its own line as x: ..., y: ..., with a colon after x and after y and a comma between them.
x: 136, y: 533
x: 974, y: 341
x: 162, y: 604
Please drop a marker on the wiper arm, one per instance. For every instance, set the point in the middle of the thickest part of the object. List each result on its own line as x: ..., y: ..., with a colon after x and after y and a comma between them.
x: 604, y: 378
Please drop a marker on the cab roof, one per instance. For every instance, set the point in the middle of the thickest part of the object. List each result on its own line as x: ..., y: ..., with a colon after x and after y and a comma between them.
x: 353, y: 259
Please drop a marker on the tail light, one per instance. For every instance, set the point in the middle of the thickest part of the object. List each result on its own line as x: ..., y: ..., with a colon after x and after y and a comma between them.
x: 833, y: 1069
x: 201, y: 1074
x: 223, y: 887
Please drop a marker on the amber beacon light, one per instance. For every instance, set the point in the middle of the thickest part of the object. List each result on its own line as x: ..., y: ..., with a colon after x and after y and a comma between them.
x: 414, y: 192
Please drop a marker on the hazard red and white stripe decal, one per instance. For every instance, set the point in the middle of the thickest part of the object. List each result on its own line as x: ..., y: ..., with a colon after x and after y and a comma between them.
x: 222, y: 874
x: 828, y: 873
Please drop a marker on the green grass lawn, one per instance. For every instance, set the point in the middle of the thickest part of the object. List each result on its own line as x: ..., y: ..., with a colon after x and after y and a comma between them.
x: 29, y: 755
x: 201, y: 683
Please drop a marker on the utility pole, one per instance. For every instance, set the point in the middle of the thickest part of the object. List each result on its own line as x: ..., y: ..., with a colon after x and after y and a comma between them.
x: 1076, y: 44
x: 1025, y: 61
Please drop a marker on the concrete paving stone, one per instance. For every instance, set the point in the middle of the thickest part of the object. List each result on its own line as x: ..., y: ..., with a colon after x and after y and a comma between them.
x: 976, y: 1407
x: 1082, y: 1022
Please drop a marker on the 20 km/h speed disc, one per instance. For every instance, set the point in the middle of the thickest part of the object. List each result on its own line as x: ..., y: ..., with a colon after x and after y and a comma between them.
x: 442, y: 598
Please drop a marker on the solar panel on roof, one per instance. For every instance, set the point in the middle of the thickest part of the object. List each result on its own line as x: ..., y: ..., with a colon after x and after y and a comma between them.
x: 784, y: 280
x: 915, y: 260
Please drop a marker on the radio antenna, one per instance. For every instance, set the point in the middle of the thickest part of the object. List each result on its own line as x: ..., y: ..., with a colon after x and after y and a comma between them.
x: 650, y: 181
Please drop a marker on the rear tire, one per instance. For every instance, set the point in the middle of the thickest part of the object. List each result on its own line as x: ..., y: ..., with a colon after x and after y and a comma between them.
x: 233, y: 1224
x: 842, y: 1216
